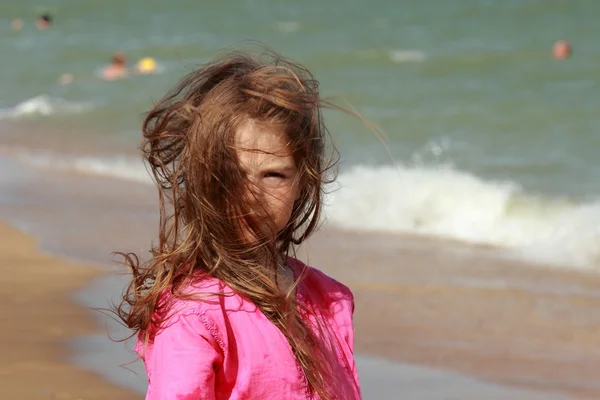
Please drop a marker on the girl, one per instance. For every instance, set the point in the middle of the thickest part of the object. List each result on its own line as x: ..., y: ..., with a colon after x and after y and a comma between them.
x: 221, y: 310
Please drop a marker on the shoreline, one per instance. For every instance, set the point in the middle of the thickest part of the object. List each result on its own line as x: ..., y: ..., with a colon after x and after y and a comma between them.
x: 64, y: 373
x: 41, y: 348
x: 40, y: 320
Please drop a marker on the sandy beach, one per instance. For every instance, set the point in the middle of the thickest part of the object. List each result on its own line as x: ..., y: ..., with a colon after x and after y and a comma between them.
x: 43, y: 323
x: 38, y: 319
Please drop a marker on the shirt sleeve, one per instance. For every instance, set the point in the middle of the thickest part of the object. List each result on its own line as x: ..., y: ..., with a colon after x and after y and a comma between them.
x: 349, y: 298
x: 185, y: 358
x: 350, y: 336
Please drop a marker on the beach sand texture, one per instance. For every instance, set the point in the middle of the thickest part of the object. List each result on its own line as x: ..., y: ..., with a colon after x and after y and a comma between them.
x: 38, y: 319
x: 433, y: 303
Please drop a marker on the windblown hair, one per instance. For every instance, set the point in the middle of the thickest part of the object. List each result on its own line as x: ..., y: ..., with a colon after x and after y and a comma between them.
x: 190, y: 148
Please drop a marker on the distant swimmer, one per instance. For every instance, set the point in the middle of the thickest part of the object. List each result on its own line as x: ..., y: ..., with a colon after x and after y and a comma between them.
x: 17, y: 24
x: 146, y: 66
x: 44, y: 21
x: 117, y: 69
x: 562, y: 50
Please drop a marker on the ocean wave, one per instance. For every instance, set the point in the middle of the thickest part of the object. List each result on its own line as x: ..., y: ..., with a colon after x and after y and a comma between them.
x: 119, y: 167
x: 430, y: 201
x: 448, y: 203
x: 43, y: 105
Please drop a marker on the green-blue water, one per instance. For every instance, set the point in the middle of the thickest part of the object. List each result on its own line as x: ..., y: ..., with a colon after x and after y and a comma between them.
x: 489, y: 129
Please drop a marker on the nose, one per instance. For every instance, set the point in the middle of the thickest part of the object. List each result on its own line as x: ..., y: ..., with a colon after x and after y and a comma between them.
x: 252, y: 193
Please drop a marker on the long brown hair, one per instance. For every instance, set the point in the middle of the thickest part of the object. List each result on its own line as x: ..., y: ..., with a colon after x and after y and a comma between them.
x: 188, y: 146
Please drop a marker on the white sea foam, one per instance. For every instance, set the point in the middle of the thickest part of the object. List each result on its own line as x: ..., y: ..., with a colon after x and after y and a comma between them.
x: 120, y: 167
x: 43, y: 105
x: 448, y: 203
x: 402, y: 56
x: 430, y: 201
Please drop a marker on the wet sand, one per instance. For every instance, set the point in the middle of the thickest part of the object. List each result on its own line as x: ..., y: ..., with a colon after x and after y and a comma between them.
x: 37, y: 320
x: 448, y: 306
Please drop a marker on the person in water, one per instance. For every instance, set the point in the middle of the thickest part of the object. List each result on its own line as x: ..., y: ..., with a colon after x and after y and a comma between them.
x: 117, y: 69
x: 561, y: 50
x: 223, y: 310
x: 44, y: 21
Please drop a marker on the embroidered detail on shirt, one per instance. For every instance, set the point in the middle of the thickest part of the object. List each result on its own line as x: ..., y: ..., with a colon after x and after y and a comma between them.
x: 304, y: 380
x: 212, y: 330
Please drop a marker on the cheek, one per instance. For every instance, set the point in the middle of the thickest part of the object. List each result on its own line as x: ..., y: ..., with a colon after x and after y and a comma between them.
x: 281, y: 204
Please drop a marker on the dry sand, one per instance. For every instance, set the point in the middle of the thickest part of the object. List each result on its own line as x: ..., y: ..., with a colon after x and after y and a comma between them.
x: 37, y: 320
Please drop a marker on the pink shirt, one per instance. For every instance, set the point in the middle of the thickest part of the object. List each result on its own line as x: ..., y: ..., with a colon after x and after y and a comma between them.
x: 223, y: 347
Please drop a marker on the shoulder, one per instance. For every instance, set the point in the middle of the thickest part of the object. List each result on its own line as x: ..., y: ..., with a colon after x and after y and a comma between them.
x: 318, y: 282
x: 203, y: 300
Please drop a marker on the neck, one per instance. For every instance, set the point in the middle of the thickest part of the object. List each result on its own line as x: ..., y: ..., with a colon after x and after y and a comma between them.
x: 278, y: 268
x: 285, y: 276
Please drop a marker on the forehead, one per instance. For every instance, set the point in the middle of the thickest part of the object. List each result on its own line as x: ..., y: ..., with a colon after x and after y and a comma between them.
x: 261, y: 141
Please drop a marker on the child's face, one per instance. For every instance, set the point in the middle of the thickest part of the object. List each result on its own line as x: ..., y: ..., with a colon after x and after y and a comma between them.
x: 273, y: 181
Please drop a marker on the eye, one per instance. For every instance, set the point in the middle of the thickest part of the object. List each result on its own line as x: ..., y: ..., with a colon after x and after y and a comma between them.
x: 274, y: 174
